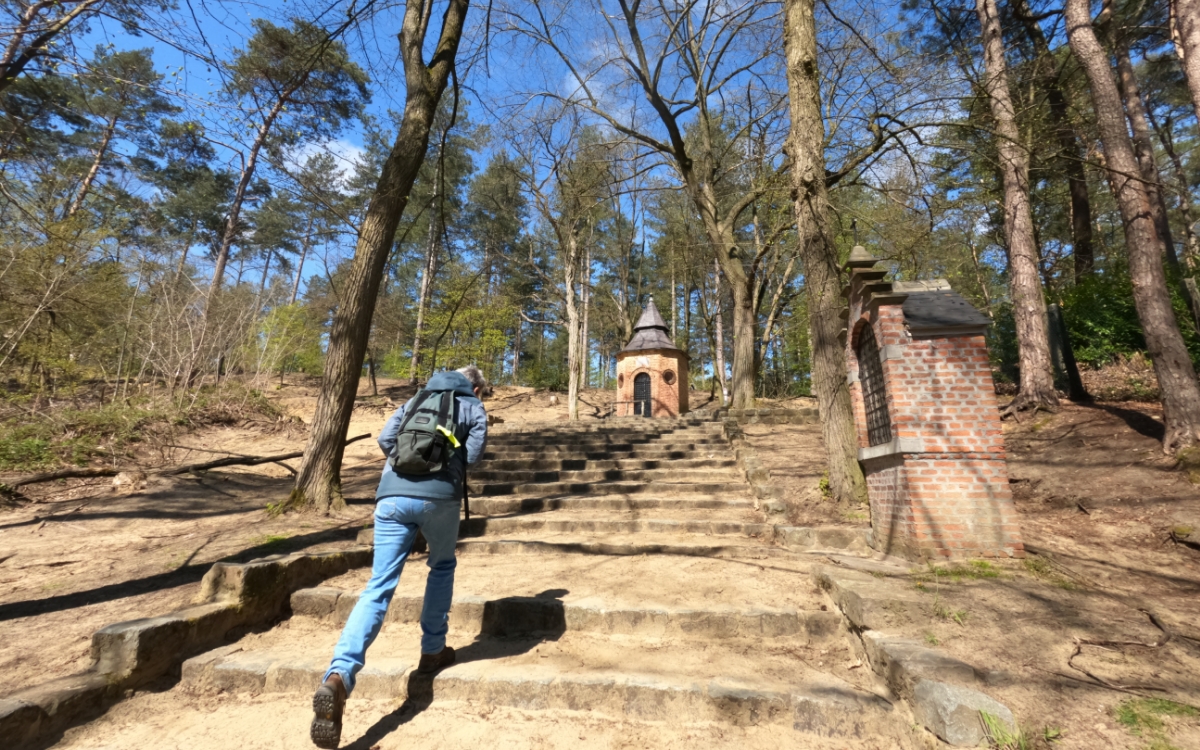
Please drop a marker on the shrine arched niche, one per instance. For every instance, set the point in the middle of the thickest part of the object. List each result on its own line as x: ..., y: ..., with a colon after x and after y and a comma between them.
x: 865, y: 349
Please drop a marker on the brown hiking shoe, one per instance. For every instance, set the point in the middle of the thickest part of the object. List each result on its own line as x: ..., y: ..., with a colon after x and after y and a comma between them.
x: 328, y: 704
x: 431, y: 663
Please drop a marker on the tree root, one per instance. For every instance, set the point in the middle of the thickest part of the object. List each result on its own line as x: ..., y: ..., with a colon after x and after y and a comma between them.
x: 1023, y: 403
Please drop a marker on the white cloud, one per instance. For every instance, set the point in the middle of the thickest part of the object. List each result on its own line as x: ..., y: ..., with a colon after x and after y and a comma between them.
x: 346, y: 153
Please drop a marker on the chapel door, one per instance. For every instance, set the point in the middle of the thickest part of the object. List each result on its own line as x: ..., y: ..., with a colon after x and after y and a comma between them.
x: 641, y: 395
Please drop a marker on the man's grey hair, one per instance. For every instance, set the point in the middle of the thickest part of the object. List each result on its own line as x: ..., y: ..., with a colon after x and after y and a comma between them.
x: 473, y: 374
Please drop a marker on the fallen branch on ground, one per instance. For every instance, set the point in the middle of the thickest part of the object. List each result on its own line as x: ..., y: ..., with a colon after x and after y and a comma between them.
x: 1105, y: 683
x: 165, y: 471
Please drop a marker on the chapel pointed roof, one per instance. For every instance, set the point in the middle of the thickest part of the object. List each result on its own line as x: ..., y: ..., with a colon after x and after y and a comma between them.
x: 651, y: 317
x: 650, y: 332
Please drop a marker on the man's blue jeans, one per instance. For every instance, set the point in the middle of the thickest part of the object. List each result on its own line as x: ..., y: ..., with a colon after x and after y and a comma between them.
x: 396, y: 522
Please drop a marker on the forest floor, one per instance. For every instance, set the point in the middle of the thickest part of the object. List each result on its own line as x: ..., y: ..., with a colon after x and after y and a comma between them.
x: 1114, y: 523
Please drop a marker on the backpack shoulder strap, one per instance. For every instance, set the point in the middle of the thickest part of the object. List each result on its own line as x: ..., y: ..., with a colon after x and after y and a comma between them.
x: 449, y: 400
x: 444, y: 407
x: 416, y: 402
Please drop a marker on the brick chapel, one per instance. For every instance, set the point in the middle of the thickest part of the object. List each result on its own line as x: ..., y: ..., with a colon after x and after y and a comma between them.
x: 652, y: 373
x: 930, y: 441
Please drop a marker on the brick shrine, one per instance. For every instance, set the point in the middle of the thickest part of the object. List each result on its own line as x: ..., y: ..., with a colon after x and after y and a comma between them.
x: 652, y: 373
x: 929, y: 433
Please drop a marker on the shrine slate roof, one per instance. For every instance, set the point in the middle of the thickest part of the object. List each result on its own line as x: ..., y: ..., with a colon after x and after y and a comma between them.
x: 650, y: 331
x: 941, y: 310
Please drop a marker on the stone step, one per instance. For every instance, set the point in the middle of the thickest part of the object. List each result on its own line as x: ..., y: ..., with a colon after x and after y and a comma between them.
x: 705, y: 523
x: 513, y: 476
x: 655, y: 426
x: 551, y: 523
x: 643, y: 454
x: 662, y: 488
x: 660, y: 582
x: 683, y: 545
x: 589, y: 438
x: 618, y: 544
x: 608, y: 676
x: 583, y: 464
x: 560, y: 522
x: 525, y: 616
x: 653, y: 449
x: 497, y: 505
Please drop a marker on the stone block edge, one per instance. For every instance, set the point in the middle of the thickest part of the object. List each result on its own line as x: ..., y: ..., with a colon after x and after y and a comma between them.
x: 126, y: 655
x: 938, y: 689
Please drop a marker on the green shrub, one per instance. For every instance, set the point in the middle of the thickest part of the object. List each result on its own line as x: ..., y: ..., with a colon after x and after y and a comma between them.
x: 1103, y: 320
x: 18, y: 453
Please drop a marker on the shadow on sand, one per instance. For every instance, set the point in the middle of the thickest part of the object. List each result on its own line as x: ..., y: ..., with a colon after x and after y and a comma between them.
x: 497, y: 639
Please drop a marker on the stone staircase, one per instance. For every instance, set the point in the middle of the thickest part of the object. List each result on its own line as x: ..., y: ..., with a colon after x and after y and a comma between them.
x: 622, y: 571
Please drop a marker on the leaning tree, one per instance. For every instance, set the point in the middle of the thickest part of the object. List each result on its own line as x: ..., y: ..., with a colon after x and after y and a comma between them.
x: 319, y: 483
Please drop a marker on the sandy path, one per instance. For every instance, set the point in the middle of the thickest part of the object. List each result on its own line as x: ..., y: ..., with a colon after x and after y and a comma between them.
x: 273, y: 722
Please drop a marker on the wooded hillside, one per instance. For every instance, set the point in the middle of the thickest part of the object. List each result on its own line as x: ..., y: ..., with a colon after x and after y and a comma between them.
x: 191, y: 196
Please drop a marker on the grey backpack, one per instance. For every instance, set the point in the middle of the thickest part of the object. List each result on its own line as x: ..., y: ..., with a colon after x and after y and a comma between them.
x: 426, y: 440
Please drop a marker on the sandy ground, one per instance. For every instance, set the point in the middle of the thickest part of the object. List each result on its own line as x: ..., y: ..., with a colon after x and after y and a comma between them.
x: 1069, y: 630
x: 174, y: 720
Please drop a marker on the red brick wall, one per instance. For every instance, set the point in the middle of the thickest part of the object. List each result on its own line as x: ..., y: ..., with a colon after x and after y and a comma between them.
x: 667, y: 399
x: 947, y: 495
x: 948, y: 505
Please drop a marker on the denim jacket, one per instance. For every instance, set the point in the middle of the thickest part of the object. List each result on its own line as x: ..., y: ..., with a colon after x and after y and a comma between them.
x: 470, y: 427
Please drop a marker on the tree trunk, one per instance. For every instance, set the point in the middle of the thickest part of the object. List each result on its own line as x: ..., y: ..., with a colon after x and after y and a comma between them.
x: 230, y: 229
x: 1185, y: 31
x: 674, y: 305
x: 687, y: 319
x: 1191, y: 248
x: 1172, y: 365
x: 262, y: 284
x: 517, y: 352
x: 586, y: 294
x: 745, y: 342
x: 303, y: 254
x: 719, y: 328
x: 776, y: 308
x: 818, y: 253
x: 1029, y: 304
x: 318, y: 483
x: 427, y: 272
x: 94, y: 171
x: 1143, y: 146
x: 239, y: 197
x: 1068, y: 143
x: 45, y: 30
x: 1143, y: 150
x: 570, y: 267
x: 371, y: 373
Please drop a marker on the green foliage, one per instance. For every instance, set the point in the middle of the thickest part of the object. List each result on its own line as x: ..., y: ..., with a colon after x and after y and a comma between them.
x: 1000, y: 737
x: 24, y: 453
x: 1102, y: 319
x: 271, y: 543
x: 71, y: 436
x: 286, y: 339
x: 1002, y: 344
x: 75, y: 436
x: 1041, y: 568
x: 1103, y: 322
x: 303, y: 68
x: 974, y: 570
x: 1149, y: 718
